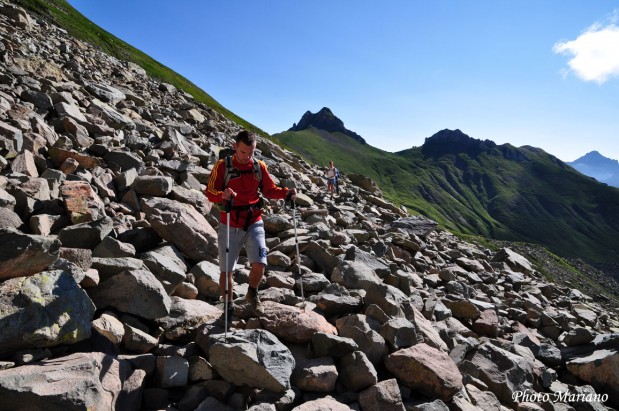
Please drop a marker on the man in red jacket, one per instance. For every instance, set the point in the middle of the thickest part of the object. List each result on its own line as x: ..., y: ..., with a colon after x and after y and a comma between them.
x: 242, y: 191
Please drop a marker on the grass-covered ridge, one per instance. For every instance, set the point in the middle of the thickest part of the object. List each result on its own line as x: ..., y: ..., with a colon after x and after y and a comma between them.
x: 64, y: 15
x: 479, y: 188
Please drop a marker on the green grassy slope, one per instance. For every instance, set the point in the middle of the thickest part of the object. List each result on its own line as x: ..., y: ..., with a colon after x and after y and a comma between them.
x: 479, y: 188
x: 64, y: 15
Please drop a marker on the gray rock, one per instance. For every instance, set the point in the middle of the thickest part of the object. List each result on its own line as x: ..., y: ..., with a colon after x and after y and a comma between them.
x: 356, y: 371
x: 112, y: 248
x: 124, y: 161
x: 383, y: 396
x: 416, y: 225
x: 352, y: 274
x: 43, y: 310
x: 252, y: 357
x: 315, y: 375
x: 332, y: 302
x: 206, y: 276
x: 10, y: 219
x: 514, y: 260
x: 324, y: 344
x: 109, y: 267
x: 153, y: 185
x: 165, y: 269
x: 359, y: 328
x: 183, y: 226
x: 135, y: 292
x: 54, y: 385
x: 185, y: 317
x: 172, y: 372
x: 400, y: 333
x: 85, y: 235
x: 23, y: 254
x: 39, y: 99
x: 12, y: 134
x: 502, y: 371
x: 111, y: 116
x: 106, y: 93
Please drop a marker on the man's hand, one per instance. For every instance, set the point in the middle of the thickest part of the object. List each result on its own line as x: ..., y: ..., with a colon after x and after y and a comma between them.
x: 291, y: 195
x: 228, y: 194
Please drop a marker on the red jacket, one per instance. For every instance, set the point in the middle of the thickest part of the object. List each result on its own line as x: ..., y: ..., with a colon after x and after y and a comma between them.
x: 246, y: 188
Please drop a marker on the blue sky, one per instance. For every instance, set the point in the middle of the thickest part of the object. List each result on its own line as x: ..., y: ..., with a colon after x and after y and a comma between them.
x: 543, y: 73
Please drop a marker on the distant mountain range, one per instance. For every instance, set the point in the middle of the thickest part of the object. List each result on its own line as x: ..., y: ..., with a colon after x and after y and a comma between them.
x: 603, y: 169
x: 477, y: 187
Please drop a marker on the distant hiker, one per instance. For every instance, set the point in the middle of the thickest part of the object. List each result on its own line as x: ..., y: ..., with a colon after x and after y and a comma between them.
x: 239, y: 181
x: 332, y: 178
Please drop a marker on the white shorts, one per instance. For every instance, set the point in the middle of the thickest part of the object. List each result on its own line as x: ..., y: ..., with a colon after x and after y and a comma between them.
x: 253, y: 239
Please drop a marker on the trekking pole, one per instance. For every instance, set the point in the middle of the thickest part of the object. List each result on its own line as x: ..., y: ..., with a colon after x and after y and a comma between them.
x: 296, y: 240
x: 228, y: 207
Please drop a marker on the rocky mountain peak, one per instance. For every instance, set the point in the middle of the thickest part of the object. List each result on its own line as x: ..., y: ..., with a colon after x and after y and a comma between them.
x: 454, y: 141
x: 596, y: 158
x: 603, y: 169
x: 324, y: 120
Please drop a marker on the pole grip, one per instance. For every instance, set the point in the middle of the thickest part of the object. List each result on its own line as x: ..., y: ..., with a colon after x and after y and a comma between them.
x: 228, y: 205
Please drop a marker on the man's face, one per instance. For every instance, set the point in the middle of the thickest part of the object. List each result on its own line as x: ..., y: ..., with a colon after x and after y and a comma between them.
x: 244, y: 152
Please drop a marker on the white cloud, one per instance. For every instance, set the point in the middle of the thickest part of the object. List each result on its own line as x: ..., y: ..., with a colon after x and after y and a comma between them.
x: 594, y: 54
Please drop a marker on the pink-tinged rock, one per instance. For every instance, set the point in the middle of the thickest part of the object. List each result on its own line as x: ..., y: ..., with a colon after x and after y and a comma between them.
x: 81, y: 201
x: 487, y: 324
x: 23, y: 255
x: 326, y: 403
x: 24, y: 163
x: 58, y: 156
x: 600, y: 369
x: 79, y: 381
x: 426, y: 369
x: 293, y: 324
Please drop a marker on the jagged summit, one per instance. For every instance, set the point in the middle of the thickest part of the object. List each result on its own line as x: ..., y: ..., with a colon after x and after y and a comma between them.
x: 324, y: 120
x: 454, y: 141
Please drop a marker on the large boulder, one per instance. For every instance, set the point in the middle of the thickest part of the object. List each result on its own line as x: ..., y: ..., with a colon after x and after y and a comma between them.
x: 22, y: 254
x: 364, y: 331
x: 426, y: 369
x: 252, y: 357
x: 134, y: 292
x: 502, y: 371
x: 80, y: 381
x: 352, y: 274
x: 293, y: 324
x: 186, y: 316
x: 600, y: 369
x: 183, y: 226
x: 43, y: 310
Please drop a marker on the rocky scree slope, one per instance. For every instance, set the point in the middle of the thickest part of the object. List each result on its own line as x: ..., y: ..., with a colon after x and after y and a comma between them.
x: 109, y: 281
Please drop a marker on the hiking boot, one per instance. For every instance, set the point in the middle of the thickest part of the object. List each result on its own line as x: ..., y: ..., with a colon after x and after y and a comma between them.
x: 253, y: 299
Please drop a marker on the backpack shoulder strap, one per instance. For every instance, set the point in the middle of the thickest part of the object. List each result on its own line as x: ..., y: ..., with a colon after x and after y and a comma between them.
x: 227, y: 171
x: 258, y: 170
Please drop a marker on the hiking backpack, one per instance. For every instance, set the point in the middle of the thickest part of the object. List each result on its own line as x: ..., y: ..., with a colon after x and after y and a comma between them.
x: 230, y: 171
